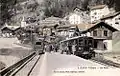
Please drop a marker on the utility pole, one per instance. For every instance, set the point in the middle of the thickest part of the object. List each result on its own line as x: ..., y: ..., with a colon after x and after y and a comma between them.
x: 31, y: 35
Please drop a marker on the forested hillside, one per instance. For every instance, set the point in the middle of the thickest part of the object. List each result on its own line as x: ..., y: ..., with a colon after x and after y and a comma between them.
x: 12, y: 10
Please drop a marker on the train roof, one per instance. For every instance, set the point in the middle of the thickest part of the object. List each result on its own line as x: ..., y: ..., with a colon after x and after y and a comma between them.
x: 73, y: 38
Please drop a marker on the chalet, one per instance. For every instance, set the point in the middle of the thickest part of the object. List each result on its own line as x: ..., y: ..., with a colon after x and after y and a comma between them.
x: 8, y: 30
x: 112, y: 19
x: 97, y: 12
x: 102, y: 33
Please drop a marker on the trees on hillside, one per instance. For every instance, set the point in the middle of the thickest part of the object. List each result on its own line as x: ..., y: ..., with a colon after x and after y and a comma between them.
x: 7, y: 9
x: 60, y: 8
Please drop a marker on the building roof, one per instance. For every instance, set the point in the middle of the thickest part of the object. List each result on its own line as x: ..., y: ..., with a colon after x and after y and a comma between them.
x: 77, y: 8
x: 45, y: 23
x: 111, y: 15
x: 97, y: 7
x: 10, y: 27
x: 73, y: 38
x: 32, y: 24
x: 18, y: 29
x: 63, y: 26
x: 100, y: 24
x: 53, y: 18
x: 83, y: 27
x: 50, y: 22
x: 6, y: 28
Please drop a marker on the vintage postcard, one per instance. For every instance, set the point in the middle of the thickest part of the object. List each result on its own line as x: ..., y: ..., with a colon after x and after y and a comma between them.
x: 59, y: 38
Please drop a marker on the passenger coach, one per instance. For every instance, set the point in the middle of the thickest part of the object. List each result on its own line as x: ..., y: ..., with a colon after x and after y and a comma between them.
x: 80, y: 46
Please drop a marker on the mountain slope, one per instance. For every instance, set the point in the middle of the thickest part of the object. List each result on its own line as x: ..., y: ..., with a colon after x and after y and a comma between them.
x: 46, y: 8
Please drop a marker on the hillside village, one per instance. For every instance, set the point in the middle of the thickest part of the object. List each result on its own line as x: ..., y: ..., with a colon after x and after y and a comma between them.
x: 100, y: 22
x: 66, y: 27
x: 60, y: 33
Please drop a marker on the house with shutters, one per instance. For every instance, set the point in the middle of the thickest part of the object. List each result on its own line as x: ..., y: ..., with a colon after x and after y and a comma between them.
x: 78, y: 16
x: 97, y: 12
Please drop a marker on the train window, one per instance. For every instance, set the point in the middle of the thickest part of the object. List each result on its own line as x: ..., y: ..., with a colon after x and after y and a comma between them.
x: 116, y: 22
x: 95, y: 13
x: 95, y: 33
x: 80, y: 42
x: 85, y: 42
x: 90, y: 42
x: 38, y: 43
x: 105, y: 33
x: 95, y: 44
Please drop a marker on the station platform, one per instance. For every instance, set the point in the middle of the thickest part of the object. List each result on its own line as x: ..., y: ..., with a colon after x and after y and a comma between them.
x: 55, y: 64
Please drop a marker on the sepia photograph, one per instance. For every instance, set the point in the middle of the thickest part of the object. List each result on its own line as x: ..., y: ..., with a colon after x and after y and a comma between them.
x: 59, y: 38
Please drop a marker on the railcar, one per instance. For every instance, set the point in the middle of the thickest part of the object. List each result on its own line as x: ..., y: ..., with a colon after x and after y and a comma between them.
x: 39, y: 46
x: 81, y: 46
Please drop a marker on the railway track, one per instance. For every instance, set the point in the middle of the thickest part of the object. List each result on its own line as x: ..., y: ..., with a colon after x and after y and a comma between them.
x: 26, y: 69
x: 106, y: 62
x: 23, y: 67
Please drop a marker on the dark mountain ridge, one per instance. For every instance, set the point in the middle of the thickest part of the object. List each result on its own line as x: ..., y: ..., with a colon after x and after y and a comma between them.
x: 12, y: 9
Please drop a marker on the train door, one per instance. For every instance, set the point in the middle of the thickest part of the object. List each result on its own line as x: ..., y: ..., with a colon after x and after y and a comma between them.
x: 69, y: 45
x: 85, y: 47
x: 79, y: 46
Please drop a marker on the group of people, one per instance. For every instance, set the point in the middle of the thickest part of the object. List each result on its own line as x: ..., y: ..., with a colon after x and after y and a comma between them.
x: 68, y: 50
x: 51, y: 47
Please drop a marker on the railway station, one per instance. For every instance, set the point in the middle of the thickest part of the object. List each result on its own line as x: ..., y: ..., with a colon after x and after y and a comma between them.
x: 59, y: 38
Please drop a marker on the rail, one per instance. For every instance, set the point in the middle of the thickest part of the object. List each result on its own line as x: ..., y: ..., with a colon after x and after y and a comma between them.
x: 7, y: 71
x: 106, y: 62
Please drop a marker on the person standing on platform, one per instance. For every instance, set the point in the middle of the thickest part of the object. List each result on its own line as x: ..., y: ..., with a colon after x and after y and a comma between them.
x: 69, y: 48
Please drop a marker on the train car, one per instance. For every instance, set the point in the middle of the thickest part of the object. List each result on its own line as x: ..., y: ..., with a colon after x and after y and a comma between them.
x: 83, y: 46
x: 39, y: 46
